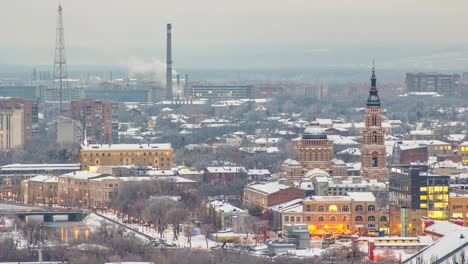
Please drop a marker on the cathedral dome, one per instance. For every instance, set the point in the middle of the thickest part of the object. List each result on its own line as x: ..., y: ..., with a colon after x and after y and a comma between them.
x: 314, y: 131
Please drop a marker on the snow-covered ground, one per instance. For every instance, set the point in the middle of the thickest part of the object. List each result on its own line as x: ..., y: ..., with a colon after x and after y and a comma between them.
x: 198, y: 241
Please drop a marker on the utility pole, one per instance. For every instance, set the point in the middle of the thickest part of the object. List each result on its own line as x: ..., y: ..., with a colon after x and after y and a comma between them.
x: 60, y: 61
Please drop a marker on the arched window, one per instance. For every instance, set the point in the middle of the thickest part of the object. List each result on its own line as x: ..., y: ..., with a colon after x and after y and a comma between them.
x: 358, y: 218
x: 375, y: 159
x: 316, y: 155
x: 321, y: 208
x: 345, y: 218
x: 321, y: 219
x: 345, y: 208
x: 358, y: 208
x: 374, y: 120
x: 371, y: 208
x: 332, y: 208
x: 333, y: 218
x: 321, y: 155
x: 310, y: 155
x: 383, y: 218
x: 374, y: 137
x: 371, y: 218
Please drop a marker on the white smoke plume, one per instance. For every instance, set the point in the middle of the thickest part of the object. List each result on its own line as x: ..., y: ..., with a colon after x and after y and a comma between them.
x: 150, y: 70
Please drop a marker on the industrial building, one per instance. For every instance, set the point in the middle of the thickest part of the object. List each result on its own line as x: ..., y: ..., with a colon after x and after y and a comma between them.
x: 25, y: 92
x: 223, y: 92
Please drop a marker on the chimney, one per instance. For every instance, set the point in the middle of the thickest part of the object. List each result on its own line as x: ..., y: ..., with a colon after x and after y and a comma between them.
x: 186, y: 87
x: 169, y: 63
x: 178, y: 80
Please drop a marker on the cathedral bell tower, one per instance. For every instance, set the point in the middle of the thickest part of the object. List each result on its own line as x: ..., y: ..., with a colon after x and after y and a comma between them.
x: 373, y: 152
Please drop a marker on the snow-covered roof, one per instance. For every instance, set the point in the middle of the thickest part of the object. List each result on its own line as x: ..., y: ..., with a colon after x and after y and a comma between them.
x: 225, y: 169
x: 225, y: 207
x: 444, y: 249
x: 422, y: 132
x: 283, y: 206
x: 268, y: 187
x: 258, y: 172
x: 341, y: 140
x: 32, y: 167
x: 82, y: 175
x: 328, y: 198
x: 291, y: 162
x: 456, y: 137
x: 351, y: 151
x: 324, y: 121
x: 111, y: 147
x: 362, y: 196
x: 44, y: 178
x: 424, y: 142
x: 316, y: 173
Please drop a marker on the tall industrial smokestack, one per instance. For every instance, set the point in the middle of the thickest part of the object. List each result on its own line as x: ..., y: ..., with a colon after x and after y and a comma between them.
x: 186, y: 87
x: 169, y: 63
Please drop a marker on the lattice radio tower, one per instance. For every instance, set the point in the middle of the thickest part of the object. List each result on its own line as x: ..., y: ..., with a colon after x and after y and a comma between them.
x: 60, y: 62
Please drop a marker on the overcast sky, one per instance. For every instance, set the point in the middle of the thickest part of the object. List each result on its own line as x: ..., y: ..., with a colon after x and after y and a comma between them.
x: 207, y: 33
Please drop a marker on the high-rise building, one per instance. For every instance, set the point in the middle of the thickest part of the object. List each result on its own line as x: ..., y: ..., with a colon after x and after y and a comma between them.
x: 314, y: 149
x: 420, y: 194
x: 446, y: 84
x: 30, y: 113
x: 99, y: 120
x: 11, y: 129
x: 373, y: 152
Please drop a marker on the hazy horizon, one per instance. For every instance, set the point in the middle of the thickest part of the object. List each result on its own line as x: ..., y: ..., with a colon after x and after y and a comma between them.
x: 242, y: 34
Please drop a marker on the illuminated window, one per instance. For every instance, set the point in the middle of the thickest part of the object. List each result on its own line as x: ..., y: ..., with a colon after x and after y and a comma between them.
x: 423, y: 197
x: 332, y: 208
x: 423, y: 205
x: 423, y: 189
x: 457, y: 215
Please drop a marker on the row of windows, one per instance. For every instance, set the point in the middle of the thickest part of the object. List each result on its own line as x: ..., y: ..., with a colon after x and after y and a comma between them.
x: 127, y: 154
x: 344, y: 208
x: 333, y: 218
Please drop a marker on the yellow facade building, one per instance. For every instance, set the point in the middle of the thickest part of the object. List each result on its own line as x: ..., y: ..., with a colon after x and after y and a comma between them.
x: 463, y: 151
x: 154, y: 155
x: 459, y: 207
x: 357, y: 212
x: 86, y: 189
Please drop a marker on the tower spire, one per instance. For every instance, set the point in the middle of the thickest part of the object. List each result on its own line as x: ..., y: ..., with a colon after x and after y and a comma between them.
x: 373, y: 99
x: 60, y: 61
